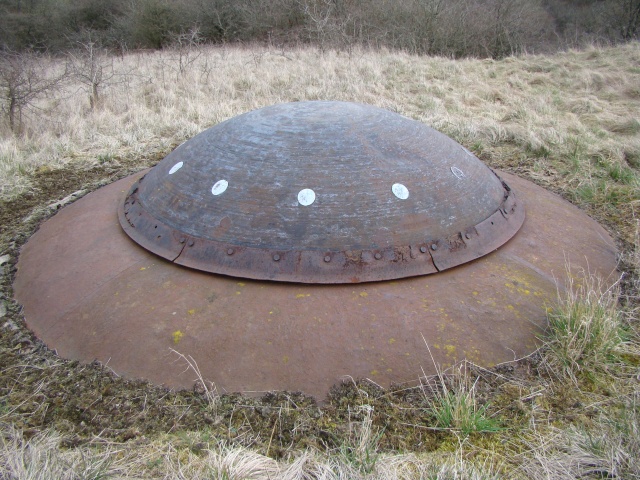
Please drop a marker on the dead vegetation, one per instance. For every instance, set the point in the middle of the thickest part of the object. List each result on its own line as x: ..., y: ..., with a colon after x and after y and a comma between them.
x: 571, y: 409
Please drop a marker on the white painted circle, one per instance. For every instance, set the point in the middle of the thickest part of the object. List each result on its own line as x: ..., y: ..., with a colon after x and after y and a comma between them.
x: 400, y: 191
x: 457, y: 172
x: 175, y: 168
x: 306, y: 197
x: 219, y: 187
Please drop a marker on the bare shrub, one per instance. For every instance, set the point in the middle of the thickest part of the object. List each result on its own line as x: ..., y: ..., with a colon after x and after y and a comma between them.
x: 185, y: 46
x: 24, y: 78
x: 91, y: 65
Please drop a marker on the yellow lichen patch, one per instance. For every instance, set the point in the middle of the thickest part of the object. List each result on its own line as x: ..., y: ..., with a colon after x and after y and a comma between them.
x: 475, y: 293
x: 374, y: 372
x: 177, y: 336
x: 520, y: 286
x: 240, y: 284
x: 364, y: 294
x: 143, y: 268
x: 451, y: 349
x: 303, y: 295
x: 192, y: 311
x: 392, y: 341
x: 238, y: 292
x: 285, y: 359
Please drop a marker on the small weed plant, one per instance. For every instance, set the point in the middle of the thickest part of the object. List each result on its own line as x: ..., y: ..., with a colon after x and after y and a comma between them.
x: 454, y: 404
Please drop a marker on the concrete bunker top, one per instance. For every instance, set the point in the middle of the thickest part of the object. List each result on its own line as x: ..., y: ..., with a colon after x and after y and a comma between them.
x: 321, y: 192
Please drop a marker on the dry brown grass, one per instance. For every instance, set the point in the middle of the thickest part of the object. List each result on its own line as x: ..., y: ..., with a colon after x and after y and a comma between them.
x: 194, y: 456
x: 569, y: 121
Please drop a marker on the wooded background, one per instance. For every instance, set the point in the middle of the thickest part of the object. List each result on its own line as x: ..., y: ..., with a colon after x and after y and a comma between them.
x: 453, y: 28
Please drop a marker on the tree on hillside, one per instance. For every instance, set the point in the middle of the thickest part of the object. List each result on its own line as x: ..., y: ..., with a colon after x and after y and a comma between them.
x: 629, y: 19
x: 24, y: 78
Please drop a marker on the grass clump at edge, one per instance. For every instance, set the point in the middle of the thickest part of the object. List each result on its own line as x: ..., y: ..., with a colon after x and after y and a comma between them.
x: 587, y: 333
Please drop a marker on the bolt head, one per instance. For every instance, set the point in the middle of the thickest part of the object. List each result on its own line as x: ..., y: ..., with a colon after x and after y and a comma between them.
x: 230, y: 251
x: 434, y: 246
x: 378, y: 256
x: 327, y: 258
x: 276, y: 257
x: 423, y: 249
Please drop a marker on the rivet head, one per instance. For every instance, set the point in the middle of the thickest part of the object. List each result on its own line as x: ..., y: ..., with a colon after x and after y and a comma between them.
x: 190, y: 243
x: 423, y: 249
x: 230, y: 251
x: 467, y: 236
x: 182, y: 239
x: 276, y: 258
x: 434, y: 246
x: 378, y: 256
x: 327, y: 258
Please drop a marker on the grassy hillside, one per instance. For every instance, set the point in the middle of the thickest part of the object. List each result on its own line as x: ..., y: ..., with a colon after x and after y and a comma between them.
x: 569, y: 122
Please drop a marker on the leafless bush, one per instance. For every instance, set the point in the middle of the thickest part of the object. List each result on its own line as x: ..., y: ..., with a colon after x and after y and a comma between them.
x: 24, y: 78
x: 92, y: 67
x: 185, y: 46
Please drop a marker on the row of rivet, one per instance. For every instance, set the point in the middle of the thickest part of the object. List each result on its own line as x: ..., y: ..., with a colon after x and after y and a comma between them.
x: 327, y: 258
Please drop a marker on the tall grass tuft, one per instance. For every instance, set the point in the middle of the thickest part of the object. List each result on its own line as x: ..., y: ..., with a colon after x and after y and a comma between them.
x: 454, y: 404
x: 361, y: 451
x: 586, y: 332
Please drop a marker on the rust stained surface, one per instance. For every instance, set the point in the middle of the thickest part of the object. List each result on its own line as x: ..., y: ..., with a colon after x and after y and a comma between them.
x: 91, y: 293
x: 321, y: 192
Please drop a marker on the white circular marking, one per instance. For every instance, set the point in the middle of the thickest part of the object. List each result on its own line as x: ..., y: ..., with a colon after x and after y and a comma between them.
x: 219, y: 187
x: 457, y: 172
x: 400, y: 191
x: 175, y: 168
x: 306, y: 197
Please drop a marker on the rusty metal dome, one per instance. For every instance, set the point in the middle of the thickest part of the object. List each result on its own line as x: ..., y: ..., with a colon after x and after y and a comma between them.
x: 321, y: 192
